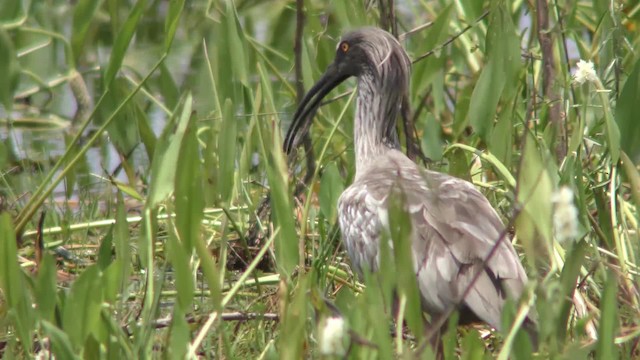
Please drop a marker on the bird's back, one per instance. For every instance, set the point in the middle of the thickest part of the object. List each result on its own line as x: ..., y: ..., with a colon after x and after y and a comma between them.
x: 454, y: 229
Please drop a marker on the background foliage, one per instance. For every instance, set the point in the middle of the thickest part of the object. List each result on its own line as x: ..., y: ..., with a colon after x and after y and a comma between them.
x: 139, y: 139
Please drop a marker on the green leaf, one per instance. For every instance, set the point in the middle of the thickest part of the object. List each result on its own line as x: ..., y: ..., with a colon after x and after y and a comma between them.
x: 45, y: 288
x: 484, y: 100
x: 12, y: 13
x: 189, y: 201
x: 503, y: 52
x: 123, y: 39
x: 171, y: 22
x: 82, y: 306
x: 376, y: 303
x: 612, y: 132
x: 627, y: 114
x: 127, y: 189
x: 498, y: 166
x: 112, y: 283
x: 606, y: 348
x: 122, y: 242
x: 331, y: 187
x: 83, y: 14
x: 179, y: 337
x: 458, y: 164
x: 568, y: 279
x: 168, y: 88
x: 405, y: 275
x: 472, y: 346
x: 123, y: 130
x: 105, y: 250
x: 423, y: 71
x: 227, y: 145
x: 633, y: 175
x: 12, y: 282
x: 278, y: 176
x: 167, y: 155
x: 70, y: 179
x: 577, y: 134
x: 294, y: 323
x: 147, y: 135
x: 461, y: 120
x: 450, y: 337
x: 235, y: 42
x: 533, y: 225
x: 501, y: 144
x: 180, y: 257
x: 350, y: 14
x: 60, y: 343
x: 431, y: 140
x: 9, y: 68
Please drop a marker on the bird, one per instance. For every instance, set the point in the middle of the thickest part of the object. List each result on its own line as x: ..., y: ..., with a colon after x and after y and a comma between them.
x: 454, y: 228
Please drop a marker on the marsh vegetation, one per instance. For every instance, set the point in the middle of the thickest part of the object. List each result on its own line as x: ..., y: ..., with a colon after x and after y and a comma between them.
x: 147, y: 208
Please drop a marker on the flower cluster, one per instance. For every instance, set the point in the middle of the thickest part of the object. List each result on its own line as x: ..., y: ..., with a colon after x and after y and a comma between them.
x: 332, y: 336
x: 585, y: 72
x: 565, y: 215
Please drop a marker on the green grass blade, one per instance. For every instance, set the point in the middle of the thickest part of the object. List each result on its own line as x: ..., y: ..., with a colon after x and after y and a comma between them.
x: 60, y: 342
x: 503, y: 53
x: 45, y: 289
x: 606, y: 348
x: 12, y: 283
x: 293, y: 326
x: 9, y: 69
x: 271, y: 148
x: 167, y: 155
x: 405, y: 275
x: 331, y: 186
x: 568, y: 279
x: 81, y: 312
x: 627, y: 116
x: 83, y: 17
x: 172, y: 21
x: 189, y: 189
x: 122, y: 242
x: 227, y: 145
x: 534, y: 225
x: 123, y: 39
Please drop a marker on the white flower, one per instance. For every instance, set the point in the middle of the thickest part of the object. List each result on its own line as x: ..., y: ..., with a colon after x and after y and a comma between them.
x: 585, y: 72
x: 332, y: 336
x: 565, y: 215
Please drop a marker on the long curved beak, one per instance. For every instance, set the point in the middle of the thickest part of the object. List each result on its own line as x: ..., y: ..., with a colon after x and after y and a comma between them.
x: 306, y: 110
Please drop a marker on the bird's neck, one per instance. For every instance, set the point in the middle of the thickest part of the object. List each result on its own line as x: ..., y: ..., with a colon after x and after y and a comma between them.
x: 375, y: 120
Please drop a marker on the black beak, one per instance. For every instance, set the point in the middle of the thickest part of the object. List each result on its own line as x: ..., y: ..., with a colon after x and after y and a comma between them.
x: 309, y: 105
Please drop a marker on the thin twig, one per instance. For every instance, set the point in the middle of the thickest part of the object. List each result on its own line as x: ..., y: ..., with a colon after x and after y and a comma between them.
x: 451, y: 39
x: 229, y: 316
x: 548, y: 78
x: 416, y: 29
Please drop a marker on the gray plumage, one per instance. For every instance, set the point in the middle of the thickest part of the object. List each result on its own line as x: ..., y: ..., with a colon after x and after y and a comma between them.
x: 454, y: 227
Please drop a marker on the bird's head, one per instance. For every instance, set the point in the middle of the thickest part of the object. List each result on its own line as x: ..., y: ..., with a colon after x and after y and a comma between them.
x: 372, y: 55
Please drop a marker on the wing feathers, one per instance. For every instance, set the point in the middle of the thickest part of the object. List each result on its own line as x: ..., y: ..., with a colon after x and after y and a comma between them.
x: 454, y: 230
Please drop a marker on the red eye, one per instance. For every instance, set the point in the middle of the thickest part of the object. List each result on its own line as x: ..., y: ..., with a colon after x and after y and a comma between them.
x: 344, y: 46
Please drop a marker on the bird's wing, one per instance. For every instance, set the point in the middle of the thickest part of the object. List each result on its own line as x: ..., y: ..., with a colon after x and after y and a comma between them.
x: 455, y: 231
